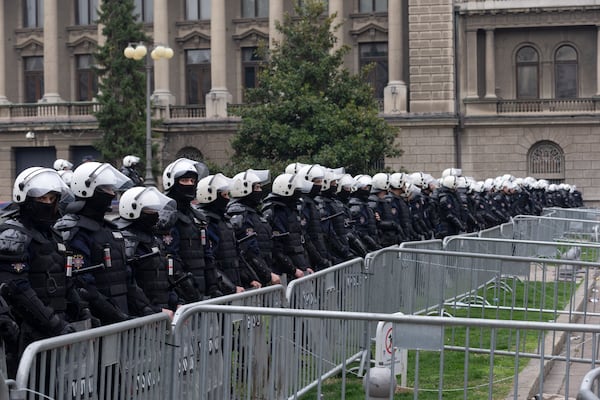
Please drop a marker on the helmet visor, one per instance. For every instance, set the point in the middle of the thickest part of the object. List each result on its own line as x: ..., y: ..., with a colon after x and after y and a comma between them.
x: 107, y: 176
x: 152, y: 200
x: 43, y: 181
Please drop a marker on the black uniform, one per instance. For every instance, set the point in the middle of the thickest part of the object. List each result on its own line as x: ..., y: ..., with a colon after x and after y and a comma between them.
x: 253, y: 233
x: 132, y: 174
x: 288, y: 240
x: 151, y: 268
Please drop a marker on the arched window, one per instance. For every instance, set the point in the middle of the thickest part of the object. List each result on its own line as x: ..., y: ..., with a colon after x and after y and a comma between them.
x: 546, y: 160
x: 190, y: 152
x: 565, y: 72
x: 527, y: 73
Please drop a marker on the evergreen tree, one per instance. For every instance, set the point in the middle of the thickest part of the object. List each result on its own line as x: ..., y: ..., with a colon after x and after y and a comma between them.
x: 307, y: 106
x: 122, y: 83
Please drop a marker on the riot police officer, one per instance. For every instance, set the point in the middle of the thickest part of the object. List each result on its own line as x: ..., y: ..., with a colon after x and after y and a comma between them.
x: 253, y: 232
x: 450, y: 208
x: 32, y: 259
x: 310, y: 218
x: 363, y: 217
x: 96, y: 247
x: 128, y: 169
x: 333, y: 217
x: 139, y: 209
x: 184, y: 235
x: 213, y: 197
x: 281, y: 210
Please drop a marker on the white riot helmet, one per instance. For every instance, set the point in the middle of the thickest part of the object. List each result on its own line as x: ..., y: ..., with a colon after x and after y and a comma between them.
x: 397, y: 180
x: 462, y: 183
x: 285, y: 185
x: 210, y: 187
x: 380, y: 182
x: 36, y: 182
x: 363, y: 180
x: 311, y: 172
x: 449, y: 182
x: 418, y: 179
x: 61, y: 164
x: 477, y: 186
x: 66, y: 175
x: 451, y: 172
x: 293, y: 168
x: 330, y: 176
x: 129, y: 161
x: 243, y: 184
x: 92, y: 175
x: 180, y: 167
x: 137, y: 199
x: 346, y: 182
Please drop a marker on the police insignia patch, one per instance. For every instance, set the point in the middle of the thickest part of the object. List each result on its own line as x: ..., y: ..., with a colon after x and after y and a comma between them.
x: 77, y: 261
x: 167, y: 239
x: 18, y: 267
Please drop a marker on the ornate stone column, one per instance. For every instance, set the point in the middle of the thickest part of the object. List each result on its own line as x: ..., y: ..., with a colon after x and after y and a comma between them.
x: 3, y: 98
x: 51, y: 61
x: 275, y: 14
x: 471, y: 61
x: 219, y: 96
x: 162, y: 94
x: 395, y: 93
x: 490, y: 65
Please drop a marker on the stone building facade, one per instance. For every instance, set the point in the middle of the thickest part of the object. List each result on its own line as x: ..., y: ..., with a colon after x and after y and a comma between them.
x: 493, y: 87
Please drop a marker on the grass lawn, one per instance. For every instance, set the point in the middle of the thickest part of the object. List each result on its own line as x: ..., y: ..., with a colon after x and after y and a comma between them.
x: 425, y: 367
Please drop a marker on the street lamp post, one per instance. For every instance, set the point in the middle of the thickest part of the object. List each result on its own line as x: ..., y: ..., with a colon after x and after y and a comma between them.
x: 138, y: 52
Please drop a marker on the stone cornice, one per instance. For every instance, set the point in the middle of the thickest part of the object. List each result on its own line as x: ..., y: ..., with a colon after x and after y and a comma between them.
x: 544, y: 18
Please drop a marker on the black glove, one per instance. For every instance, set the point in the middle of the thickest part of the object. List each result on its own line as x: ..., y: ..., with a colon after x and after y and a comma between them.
x: 68, y: 328
x: 9, y: 330
x: 85, y: 313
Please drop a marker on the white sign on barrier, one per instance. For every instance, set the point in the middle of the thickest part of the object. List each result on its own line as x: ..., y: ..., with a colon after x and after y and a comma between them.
x: 385, y: 350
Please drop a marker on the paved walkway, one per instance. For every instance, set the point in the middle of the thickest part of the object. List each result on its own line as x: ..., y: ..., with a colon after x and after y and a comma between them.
x: 564, y: 379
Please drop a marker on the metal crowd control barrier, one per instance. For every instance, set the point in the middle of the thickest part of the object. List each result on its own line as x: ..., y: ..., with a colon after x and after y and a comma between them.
x: 590, y: 386
x: 592, y: 214
x: 514, y: 367
x: 435, y: 281
x: 552, y: 228
x: 119, y: 361
x: 559, y: 248
x: 187, y: 380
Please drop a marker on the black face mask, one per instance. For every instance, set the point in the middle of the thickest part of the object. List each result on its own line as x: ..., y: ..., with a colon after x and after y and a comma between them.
x: 96, y: 206
x: 41, y: 215
x: 183, y: 193
x: 329, y: 192
x: 146, y: 221
x: 361, y: 194
x: 314, y: 190
x: 343, y: 195
x: 253, y: 199
x: 219, y: 205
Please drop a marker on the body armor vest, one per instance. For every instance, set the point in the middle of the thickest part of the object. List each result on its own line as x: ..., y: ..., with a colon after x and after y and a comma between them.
x: 151, y: 273
x: 191, y: 248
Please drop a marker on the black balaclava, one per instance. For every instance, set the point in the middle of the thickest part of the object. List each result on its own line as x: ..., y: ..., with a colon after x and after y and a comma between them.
x: 330, y: 192
x: 96, y: 206
x: 253, y: 199
x: 183, y: 194
x: 147, y: 221
x: 362, y: 194
x: 344, y: 195
x: 40, y: 215
x: 219, y: 205
x: 314, y: 190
